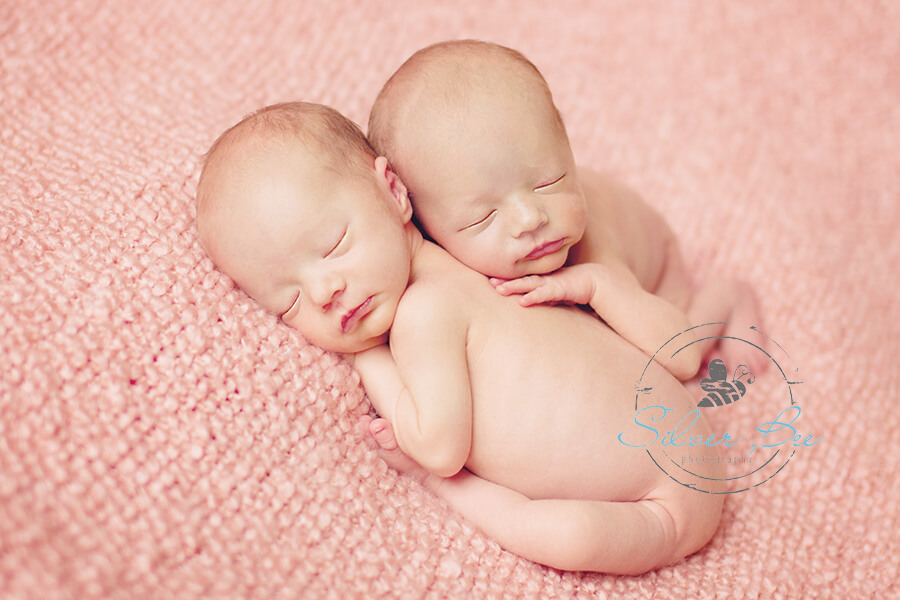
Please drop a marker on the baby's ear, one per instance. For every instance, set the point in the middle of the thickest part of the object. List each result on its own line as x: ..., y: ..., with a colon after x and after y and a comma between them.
x: 395, y: 185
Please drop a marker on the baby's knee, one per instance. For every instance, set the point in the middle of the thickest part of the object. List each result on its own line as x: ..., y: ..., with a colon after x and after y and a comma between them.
x: 578, y: 543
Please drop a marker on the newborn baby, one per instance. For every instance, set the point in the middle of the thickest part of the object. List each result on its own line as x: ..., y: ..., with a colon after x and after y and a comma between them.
x: 472, y: 130
x: 295, y: 206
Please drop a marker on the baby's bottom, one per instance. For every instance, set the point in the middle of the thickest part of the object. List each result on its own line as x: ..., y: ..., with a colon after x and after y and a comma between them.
x: 729, y: 303
x: 626, y: 538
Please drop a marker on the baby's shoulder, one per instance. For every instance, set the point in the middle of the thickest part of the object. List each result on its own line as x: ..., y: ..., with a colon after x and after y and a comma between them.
x: 428, y: 308
x: 442, y: 293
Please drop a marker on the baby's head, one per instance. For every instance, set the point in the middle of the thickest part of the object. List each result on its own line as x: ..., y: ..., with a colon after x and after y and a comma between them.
x: 472, y: 130
x: 295, y: 207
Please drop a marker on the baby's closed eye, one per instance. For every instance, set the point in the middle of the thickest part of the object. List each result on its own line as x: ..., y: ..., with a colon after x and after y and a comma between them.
x: 483, y: 221
x: 292, y: 307
x: 549, y: 184
x: 339, y: 247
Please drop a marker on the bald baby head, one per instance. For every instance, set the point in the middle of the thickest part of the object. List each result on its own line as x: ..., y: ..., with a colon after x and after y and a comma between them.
x: 443, y: 87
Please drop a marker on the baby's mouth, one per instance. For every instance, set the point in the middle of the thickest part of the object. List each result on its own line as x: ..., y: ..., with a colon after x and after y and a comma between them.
x: 545, y: 249
x: 352, y: 317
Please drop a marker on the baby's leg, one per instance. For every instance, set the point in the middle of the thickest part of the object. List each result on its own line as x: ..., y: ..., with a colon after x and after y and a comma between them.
x: 726, y: 301
x: 624, y: 538
x: 573, y: 535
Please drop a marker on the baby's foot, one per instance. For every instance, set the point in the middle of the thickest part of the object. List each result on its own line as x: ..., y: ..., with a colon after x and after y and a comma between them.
x: 390, y: 451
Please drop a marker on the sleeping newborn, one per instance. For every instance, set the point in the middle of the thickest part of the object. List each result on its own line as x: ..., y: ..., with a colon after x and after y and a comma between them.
x: 515, y: 412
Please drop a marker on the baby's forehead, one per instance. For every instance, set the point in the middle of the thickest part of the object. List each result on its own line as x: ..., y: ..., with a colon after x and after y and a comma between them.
x: 272, y: 206
x: 260, y: 157
x: 257, y: 182
x: 465, y: 117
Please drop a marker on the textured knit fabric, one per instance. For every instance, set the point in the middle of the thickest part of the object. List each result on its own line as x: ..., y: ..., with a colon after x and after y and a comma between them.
x: 162, y: 436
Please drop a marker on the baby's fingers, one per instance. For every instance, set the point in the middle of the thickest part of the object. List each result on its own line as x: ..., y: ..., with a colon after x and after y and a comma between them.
x: 523, y: 285
x: 544, y: 294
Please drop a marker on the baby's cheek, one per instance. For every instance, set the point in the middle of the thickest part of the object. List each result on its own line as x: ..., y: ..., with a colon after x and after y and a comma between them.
x: 578, y: 218
x: 482, y: 255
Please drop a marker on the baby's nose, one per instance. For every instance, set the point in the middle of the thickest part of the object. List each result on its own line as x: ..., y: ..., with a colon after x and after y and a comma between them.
x: 328, y: 305
x: 327, y: 290
x: 527, y: 217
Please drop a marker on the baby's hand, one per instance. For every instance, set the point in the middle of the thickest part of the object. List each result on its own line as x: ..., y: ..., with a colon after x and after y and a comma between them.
x: 570, y: 285
x: 383, y: 434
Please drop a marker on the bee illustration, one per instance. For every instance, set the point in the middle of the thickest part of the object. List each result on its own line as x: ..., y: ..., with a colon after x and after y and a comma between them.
x: 719, y: 390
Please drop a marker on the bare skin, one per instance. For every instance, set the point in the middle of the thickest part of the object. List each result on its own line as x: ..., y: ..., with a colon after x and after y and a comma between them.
x: 474, y: 134
x: 515, y: 410
x: 571, y: 534
x: 623, y: 229
x: 545, y: 473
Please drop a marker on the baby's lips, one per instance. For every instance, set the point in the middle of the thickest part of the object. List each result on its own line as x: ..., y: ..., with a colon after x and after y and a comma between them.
x: 354, y: 316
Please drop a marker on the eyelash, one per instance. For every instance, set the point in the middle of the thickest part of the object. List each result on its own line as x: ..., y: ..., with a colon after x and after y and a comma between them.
x: 481, y: 222
x: 546, y: 185
x: 339, y: 242
x: 291, y: 307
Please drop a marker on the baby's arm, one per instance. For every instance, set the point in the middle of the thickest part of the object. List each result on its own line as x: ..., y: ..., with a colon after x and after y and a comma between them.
x: 421, y: 385
x: 645, y: 320
x: 380, y: 378
x: 574, y: 535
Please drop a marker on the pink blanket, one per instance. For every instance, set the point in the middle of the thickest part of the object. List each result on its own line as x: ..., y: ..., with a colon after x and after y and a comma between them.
x: 161, y: 436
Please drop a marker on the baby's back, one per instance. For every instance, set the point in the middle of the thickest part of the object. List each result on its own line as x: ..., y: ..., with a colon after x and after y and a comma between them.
x: 552, y: 389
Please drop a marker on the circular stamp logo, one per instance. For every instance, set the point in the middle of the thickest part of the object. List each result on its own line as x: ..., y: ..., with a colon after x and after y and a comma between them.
x: 734, y: 432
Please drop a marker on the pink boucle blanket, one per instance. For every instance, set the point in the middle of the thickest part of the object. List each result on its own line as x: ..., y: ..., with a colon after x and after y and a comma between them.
x: 161, y: 436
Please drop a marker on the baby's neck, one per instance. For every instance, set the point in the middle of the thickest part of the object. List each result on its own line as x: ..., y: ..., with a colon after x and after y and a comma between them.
x: 414, y: 239
x: 419, y: 252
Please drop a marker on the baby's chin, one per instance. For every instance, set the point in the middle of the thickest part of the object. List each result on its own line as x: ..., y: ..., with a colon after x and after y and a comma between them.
x: 366, y: 345
x: 348, y: 345
x: 541, y: 266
